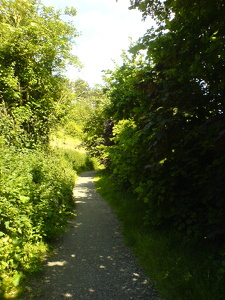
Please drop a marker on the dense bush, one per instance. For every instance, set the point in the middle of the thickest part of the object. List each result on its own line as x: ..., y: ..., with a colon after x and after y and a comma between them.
x: 179, y: 269
x: 35, y: 185
x: 168, y: 110
x: 35, y: 202
x: 170, y: 157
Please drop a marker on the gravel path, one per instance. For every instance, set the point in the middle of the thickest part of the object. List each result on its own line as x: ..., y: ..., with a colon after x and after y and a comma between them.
x: 92, y: 261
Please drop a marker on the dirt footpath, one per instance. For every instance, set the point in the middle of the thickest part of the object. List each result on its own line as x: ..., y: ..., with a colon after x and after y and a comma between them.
x: 91, y: 260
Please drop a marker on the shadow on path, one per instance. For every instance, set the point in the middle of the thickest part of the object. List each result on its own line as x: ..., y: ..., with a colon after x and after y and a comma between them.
x: 91, y: 261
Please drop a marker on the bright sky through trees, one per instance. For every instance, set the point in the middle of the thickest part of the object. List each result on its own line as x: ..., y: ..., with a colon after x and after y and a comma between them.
x: 105, y: 27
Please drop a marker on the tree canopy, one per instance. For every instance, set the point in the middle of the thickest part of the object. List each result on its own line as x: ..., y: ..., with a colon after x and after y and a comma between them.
x: 34, y: 52
x: 167, y: 144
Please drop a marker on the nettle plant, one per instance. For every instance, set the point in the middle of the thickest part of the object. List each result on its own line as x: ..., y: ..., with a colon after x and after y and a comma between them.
x: 36, y: 201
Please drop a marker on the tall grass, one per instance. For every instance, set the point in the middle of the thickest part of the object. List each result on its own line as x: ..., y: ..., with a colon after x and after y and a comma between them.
x: 61, y: 140
x: 179, y: 270
x: 79, y: 161
x: 71, y: 149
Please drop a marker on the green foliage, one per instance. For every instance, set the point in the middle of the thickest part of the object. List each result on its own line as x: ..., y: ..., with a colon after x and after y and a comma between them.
x: 35, y: 48
x: 123, y: 90
x: 168, y: 138
x: 80, y: 162
x: 72, y: 129
x: 36, y: 201
x: 85, y: 102
x: 95, y: 126
x: 122, y: 153
x: 178, y: 269
x: 94, y: 130
x: 35, y: 185
x: 60, y: 139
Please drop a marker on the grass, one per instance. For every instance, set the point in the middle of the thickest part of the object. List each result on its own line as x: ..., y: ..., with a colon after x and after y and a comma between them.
x: 179, y: 270
x: 63, y: 141
x: 71, y: 148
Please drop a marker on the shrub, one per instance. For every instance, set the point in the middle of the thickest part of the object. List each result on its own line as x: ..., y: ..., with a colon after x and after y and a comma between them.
x: 35, y: 203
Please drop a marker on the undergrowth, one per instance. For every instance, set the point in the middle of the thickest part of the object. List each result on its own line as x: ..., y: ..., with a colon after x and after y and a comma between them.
x: 80, y: 162
x: 179, y: 270
x: 35, y: 204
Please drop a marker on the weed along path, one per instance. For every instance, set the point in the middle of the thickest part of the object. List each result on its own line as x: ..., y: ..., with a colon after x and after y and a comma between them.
x: 92, y: 261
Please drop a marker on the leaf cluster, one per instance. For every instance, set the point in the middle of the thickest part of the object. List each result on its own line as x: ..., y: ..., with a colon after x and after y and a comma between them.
x: 169, y: 120
x: 35, y: 182
x: 34, y: 52
x: 35, y: 204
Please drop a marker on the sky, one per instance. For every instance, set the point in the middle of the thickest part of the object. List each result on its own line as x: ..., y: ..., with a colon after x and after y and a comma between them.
x: 105, y: 27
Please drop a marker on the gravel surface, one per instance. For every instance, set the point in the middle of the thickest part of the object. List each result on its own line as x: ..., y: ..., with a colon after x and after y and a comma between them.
x: 91, y: 260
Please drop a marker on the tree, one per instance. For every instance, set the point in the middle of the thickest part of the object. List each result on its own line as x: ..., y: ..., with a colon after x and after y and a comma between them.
x: 169, y: 113
x: 84, y: 102
x: 188, y: 91
x: 189, y: 43
x: 34, y: 51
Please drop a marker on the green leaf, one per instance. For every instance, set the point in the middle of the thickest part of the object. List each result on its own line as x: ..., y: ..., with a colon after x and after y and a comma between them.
x: 16, y: 279
x: 7, y: 224
x: 146, y: 200
x: 24, y: 199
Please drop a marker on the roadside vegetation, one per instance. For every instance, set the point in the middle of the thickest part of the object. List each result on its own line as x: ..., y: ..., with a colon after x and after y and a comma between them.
x: 157, y: 126
x: 179, y: 269
x: 40, y: 134
x: 35, y: 204
x: 161, y: 138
